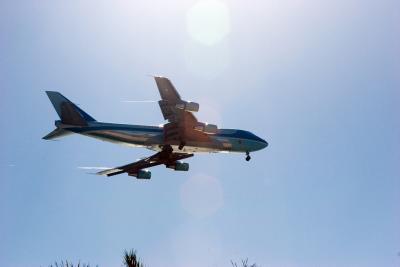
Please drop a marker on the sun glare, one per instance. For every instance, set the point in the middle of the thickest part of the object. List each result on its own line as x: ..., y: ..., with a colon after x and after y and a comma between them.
x: 208, y: 22
x: 192, y: 195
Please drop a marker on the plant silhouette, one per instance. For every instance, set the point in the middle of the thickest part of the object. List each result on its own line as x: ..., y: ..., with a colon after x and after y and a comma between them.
x: 131, y: 260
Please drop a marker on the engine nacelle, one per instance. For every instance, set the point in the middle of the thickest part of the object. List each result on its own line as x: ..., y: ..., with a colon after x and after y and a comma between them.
x: 207, y: 128
x: 179, y: 166
x: 143, y: 174
x: 188, y: 106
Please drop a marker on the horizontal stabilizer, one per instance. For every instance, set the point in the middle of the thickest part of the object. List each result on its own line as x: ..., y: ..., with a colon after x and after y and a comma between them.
x: 57, y: 133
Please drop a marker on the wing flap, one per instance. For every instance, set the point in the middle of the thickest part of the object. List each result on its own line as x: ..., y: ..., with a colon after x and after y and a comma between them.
x: 110, y: 172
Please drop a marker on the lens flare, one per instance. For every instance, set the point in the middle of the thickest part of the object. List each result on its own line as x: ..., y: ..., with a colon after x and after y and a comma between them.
x: 202, y: 196
x: 207, y: 61
x: 208, y: 22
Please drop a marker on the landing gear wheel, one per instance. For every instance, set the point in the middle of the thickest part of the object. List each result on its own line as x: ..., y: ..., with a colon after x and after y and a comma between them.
x: 248, y: 156
x: 181, y: 145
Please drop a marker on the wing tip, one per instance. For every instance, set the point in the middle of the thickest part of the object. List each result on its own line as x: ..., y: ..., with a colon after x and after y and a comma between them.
x: 157, y: 76
x: 110, y: 172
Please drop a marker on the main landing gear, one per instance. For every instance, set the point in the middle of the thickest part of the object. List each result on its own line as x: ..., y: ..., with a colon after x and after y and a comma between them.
x: 181, y: 145
x: 248, y: 156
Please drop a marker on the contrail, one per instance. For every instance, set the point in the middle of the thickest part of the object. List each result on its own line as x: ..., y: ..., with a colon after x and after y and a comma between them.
x: 139, y: 101
x: 94, y: 168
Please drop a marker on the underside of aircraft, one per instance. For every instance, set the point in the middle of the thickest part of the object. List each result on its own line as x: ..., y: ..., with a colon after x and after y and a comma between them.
x: 178, y: 139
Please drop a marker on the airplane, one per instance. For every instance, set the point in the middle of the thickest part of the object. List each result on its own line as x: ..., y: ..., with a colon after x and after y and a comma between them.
x: 178, y: 139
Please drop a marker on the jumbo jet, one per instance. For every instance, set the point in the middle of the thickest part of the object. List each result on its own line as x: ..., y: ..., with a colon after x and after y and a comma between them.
x: 178, y: 139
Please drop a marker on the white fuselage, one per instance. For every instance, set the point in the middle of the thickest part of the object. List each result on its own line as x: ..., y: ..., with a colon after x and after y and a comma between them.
x: 152, y: 137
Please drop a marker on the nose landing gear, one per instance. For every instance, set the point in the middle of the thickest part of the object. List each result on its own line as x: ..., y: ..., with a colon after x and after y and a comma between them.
x: 248, y: 156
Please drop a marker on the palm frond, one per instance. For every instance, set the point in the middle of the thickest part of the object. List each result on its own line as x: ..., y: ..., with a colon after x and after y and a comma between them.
x: 244, y: 263
x: 131, y: 260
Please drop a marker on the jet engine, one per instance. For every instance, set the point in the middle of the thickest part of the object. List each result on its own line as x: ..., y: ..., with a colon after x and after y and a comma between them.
x: 179, y: 166
x: 207, y: 128
x: 143, y: 174
x: 188, y: 106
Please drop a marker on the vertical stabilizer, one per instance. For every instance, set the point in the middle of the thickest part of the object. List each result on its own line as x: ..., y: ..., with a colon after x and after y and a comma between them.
x: 69, y: 113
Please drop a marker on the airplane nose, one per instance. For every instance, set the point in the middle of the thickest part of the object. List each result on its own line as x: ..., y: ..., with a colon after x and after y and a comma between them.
x: 259, y: 144
x: 264, y: 144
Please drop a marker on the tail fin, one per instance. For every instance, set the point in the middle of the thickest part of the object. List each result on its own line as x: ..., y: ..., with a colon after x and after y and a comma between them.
x: 69, y: 112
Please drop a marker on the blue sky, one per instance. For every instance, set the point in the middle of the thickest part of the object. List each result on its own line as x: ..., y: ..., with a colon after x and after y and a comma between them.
x: 319, y: 80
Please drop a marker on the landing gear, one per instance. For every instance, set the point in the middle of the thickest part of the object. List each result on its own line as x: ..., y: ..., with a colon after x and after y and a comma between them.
x: 248, y: 156
x: 181, y: 145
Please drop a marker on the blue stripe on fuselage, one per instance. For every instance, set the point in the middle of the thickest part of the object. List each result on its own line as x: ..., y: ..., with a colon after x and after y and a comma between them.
x: 232, y: 133
x: 99, y: 129
x: 116, y: 127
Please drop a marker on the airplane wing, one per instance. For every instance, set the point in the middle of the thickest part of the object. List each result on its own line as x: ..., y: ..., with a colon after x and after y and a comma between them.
x: 166, y: 156
x: 167, y: 90
x: 182, y: 123
x: 171, y: 104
